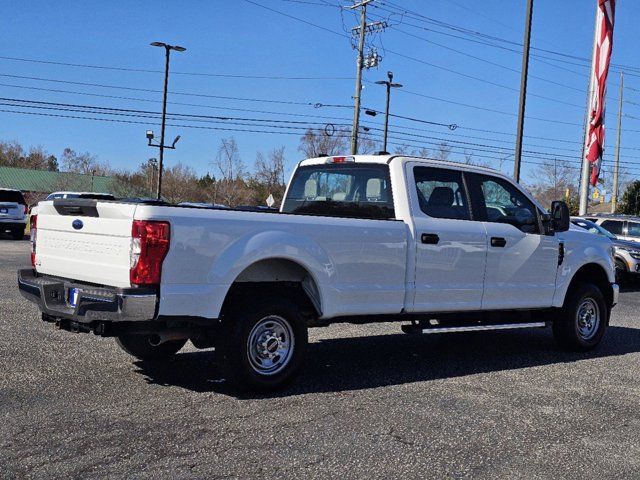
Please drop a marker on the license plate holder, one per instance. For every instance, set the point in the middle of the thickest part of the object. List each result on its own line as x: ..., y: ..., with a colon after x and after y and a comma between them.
x: 74, y: 293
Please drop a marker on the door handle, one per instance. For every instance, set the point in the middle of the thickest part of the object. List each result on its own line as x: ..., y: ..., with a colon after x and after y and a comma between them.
x: 430, y: 238
x: 498, y: 242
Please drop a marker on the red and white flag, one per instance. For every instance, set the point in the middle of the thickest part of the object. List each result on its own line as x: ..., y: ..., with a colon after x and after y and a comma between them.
x: 599, y: 70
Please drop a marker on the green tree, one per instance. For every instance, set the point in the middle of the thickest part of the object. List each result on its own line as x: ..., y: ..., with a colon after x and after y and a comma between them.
x: 630, y: 203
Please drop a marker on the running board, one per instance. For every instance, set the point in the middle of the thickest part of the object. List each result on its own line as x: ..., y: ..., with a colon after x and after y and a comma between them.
x: 471, y: 328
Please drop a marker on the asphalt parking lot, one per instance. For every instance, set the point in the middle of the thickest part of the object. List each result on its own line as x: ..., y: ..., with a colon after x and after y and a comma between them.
x: 373, y: 403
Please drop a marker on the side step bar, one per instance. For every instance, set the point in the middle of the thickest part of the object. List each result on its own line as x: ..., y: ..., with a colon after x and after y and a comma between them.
x: 471, y: 328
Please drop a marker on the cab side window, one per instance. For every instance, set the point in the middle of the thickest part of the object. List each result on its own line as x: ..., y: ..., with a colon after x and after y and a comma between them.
x: 441, y: 193
x: 499, y: 201
x: 614, y: 226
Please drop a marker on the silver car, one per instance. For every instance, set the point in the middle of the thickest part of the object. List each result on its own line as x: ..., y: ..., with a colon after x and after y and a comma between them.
x: 627, y: 254
x: 625, y: 227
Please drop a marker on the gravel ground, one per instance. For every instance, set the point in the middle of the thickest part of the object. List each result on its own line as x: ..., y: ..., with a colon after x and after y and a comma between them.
x: 373, y: 403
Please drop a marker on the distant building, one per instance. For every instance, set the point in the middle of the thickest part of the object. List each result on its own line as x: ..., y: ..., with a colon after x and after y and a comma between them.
x: 37, y: 184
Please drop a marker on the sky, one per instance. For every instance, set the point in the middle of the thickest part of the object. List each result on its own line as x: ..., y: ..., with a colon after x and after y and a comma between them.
x: 271, y: 68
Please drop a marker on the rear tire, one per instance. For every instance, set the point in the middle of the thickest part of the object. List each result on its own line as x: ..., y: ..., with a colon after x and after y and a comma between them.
x: 263, y: 344
x: 138, y: 346
x: 583, y: 319
x: 17, y: 234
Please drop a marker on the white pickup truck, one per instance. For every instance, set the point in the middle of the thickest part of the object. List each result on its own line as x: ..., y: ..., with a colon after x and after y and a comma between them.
x: 441, y: 246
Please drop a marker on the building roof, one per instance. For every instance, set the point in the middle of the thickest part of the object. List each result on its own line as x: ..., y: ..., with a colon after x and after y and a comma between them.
x: 45, y: 181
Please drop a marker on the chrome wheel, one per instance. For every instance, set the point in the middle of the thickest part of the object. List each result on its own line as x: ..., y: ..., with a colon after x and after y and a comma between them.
x: 270, y: 345
x: 588, y: 319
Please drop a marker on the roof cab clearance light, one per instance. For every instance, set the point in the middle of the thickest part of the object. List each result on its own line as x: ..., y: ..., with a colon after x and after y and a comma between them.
x: 149, y: 246
x: 340, y: 159
x: 33, y: 234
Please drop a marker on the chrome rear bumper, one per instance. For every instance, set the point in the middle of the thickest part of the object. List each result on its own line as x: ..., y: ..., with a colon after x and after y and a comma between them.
x: 93, y: 303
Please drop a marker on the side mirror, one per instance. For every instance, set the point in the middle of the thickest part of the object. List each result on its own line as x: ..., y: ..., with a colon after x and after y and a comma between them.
x: 560, y: 216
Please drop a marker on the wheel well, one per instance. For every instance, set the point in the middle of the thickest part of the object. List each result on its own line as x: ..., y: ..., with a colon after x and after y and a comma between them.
x: 594, y: 273
x: 277, y: 276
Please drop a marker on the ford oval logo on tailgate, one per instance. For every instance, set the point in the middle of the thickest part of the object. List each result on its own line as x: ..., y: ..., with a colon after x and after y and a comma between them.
x: 77, y: 224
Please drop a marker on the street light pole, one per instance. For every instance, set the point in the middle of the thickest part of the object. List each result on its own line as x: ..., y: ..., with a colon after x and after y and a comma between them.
x: 167, y: 49
x: 389, y: 84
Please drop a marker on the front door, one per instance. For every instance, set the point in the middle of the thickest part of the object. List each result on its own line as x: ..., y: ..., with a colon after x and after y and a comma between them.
x: 521, y: 260
x: 451, y: 247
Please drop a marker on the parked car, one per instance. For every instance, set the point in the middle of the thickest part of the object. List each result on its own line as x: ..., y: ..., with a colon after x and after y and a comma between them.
x: 13, y: 213
x: 627, y: 254
x: 96, y: 196
x: 625, y: 227
x: 361, y: 239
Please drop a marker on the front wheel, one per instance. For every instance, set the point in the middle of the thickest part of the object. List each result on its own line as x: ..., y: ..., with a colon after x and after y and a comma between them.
x: 139, y: 346
x: 583, y: 318
x: 263, y: 345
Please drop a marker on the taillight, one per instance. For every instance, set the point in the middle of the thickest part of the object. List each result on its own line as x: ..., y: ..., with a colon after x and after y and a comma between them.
x: 33, y: 234
x: 149, y: 246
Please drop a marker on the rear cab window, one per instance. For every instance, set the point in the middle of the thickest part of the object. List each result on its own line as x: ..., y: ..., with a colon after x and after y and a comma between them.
x: 349, y: 190
x: 441, y: 193
x: 12, y: 196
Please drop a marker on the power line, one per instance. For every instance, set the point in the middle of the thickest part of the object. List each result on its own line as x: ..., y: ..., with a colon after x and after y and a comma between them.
x: 463, y: 152
x: 203, y: 95
x: 144, y: 70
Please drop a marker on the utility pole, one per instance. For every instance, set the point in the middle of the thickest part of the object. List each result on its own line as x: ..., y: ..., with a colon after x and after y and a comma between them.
x: 153, y: 166
x: 162, y: 146
x: 523, y: 91
x: 359, y: 65
x: 616, y: 165
x: 389, y: 84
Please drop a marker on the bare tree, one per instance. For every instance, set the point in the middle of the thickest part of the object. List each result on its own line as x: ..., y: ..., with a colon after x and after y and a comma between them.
x: 230, y: 187
x: 315, y: 144
x: 84, y: 163
x: 552, y: 181
x: 268, y: 178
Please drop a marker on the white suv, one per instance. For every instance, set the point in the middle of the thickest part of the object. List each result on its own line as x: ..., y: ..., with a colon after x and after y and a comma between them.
x: 625, y: 227
x: 13, y: 212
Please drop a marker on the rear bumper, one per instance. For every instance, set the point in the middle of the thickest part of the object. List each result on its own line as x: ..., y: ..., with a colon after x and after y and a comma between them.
x: 93, y: 303
x: 11, y: 224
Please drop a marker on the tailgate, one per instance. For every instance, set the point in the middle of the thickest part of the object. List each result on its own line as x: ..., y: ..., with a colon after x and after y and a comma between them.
x: 11, y: 211
x: 85, y: 240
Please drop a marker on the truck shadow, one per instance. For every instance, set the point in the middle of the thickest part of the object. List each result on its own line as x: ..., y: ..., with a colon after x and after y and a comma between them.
x: 343, y: 364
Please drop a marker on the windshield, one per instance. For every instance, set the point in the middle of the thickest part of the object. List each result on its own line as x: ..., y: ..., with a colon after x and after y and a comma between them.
x: 341, y: 190
x: 593, y: 228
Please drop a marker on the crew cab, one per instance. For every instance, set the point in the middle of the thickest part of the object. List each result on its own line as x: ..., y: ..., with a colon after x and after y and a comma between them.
x: 13, y: 213
x: 441, y: 246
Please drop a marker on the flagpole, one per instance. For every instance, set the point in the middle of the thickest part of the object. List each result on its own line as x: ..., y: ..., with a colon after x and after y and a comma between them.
x: 584, y: 174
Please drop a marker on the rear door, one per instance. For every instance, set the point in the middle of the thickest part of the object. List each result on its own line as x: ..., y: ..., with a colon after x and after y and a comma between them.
x: 521, y: 260
x: 85, y: 240
x: 451, y: 247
